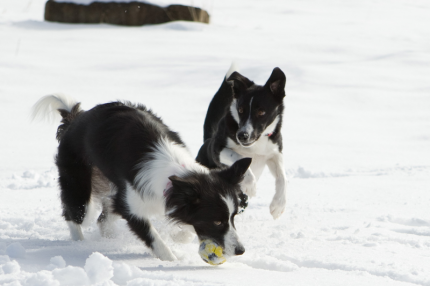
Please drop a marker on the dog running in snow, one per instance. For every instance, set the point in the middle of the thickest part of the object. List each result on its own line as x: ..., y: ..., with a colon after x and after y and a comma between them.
x: 123, y: 156
x: 244, y: 120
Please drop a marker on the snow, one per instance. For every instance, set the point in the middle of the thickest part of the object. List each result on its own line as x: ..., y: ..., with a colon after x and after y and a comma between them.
x: 99, y: 268
x: 56, y: 262
x: 10, y: 267
x: 72, y: 275
x: 15, y: 250
x: 356, y: 140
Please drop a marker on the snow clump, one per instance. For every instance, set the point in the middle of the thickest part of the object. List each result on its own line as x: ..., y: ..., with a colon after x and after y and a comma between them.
x: 15, y: 250
x: 99, y: 268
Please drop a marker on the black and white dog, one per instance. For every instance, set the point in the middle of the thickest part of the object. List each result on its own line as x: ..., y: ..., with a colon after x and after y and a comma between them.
x: 244, y: 120
x: 124, y: 156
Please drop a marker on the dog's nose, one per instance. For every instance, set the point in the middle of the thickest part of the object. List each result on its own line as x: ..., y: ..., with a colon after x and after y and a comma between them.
x: 243, y: 136
x: 239, y: 250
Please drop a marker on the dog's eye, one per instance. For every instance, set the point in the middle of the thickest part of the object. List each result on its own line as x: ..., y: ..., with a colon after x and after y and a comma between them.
x: 217, y: 223
x: 240, y: 110
x: 261, y: 112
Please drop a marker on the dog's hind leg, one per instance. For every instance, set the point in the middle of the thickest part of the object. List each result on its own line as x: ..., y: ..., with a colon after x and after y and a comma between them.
x: 103, y: 191
x: 75, y: 184
x: 75, y: 230
x: 107, y: 219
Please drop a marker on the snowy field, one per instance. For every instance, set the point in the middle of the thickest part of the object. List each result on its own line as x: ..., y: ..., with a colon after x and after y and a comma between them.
x: 356, y: 140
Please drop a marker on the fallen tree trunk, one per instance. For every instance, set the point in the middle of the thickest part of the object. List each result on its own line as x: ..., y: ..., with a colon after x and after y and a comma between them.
x: 120, y: 13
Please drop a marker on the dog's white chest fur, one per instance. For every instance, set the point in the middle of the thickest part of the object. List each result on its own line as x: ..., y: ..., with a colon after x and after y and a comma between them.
x: 262, y: 147
x: 262, y: 150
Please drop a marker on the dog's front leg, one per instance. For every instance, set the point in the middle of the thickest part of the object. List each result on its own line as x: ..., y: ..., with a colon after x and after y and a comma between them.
x: 276, y: 167
x: 137, y: 219
x: 249, y: 183
x: 183, y: 233
x: 145, y: 231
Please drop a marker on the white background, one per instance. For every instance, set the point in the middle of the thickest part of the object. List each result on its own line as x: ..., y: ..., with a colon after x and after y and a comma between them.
x: 356, y: 139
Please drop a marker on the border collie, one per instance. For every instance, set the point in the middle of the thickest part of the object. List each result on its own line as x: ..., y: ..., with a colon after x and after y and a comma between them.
x: 125, y: 156
x: 244, y: 120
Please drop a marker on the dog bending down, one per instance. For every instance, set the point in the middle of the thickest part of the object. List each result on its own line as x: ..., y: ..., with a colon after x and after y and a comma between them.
x: 126, y: 157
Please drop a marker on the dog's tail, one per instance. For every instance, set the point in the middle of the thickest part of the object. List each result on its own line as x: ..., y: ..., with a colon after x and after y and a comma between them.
x: 219, y: 104
x: 233, y: 67
x: 68, y: 108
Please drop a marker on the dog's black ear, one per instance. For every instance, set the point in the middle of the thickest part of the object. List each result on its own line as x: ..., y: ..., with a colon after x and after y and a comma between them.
x: 276, y: 83
x: 235, y: 173
x: 239, y: 83
x: 184, y: 191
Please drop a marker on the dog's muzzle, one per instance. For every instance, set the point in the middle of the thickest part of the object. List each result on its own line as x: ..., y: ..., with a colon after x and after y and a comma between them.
x: 244, y: 139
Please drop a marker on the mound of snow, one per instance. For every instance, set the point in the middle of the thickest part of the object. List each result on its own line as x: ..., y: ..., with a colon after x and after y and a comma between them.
x: 15, y: 250
x: 32, y: 180
x: 71, y: 275
x: 99, y: 268
x: 42, y: 278
x: 2, y: 247
x: 4, y: 259
x: 56, y: 262
x: 124, y: 272
x: 269, y: 263
x: 11, y: 267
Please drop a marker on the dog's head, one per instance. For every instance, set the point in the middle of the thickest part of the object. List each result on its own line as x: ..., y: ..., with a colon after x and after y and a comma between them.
x: 256, y: 109
x: 209, y: 203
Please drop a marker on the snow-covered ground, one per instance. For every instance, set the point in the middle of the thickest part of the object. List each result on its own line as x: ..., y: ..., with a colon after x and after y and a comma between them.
x: 356, y: 129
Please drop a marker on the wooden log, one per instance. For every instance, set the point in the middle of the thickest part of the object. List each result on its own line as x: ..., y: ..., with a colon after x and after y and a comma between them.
x: 120, y: 13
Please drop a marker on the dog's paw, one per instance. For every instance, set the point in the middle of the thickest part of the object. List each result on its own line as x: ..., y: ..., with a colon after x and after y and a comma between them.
x: 182, y: 235
x: 249, y: 184
x: 164, y: 253
x: 167, y: 257
x: 243, y: 202
x: 277, y: 207
x: 109, y: 233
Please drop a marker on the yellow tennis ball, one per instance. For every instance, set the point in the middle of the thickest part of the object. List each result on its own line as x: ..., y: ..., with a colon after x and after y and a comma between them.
x: 211, y: 252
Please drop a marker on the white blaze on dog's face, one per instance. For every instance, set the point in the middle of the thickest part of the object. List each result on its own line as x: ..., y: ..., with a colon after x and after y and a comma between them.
x: 209, y: 203
x: 256, y: 109
x: 232, y: 244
